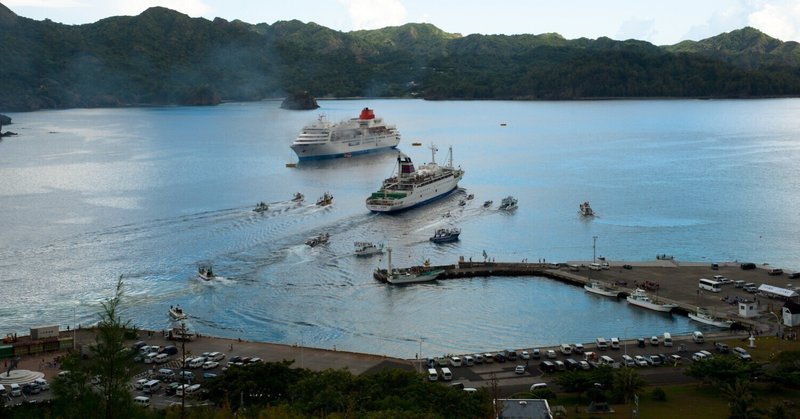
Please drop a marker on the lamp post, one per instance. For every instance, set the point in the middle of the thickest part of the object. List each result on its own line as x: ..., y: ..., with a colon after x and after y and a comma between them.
x: 594, y: 249
x: 420, y: 354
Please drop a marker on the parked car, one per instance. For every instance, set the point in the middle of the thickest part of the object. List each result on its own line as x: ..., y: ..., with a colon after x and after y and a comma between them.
x: 520, y: 369
x: 747, y: 266
x: 641, y: 342
x: 536, y: 353
x: 551, y: 354
x: 31, y: 388
x: 525, y: 355
x: 640, y: 361
x: 721, y: 347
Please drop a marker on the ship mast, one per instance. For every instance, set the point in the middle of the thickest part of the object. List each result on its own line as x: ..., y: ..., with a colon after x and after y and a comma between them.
x: 433, y: 153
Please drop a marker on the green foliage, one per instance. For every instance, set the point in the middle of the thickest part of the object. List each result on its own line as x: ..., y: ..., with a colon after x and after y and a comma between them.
x: 723, y: 369
x: 626, y: 382
x: 785, y: 369
x: 740, y: 398
x: 658, y: 394
x: 165, y: 57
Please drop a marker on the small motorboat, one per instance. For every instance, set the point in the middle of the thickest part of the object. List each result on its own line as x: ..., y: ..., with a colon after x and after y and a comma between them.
x: 446, y: 235
x: 368, y: 248
x: 470, y: 196
x: 509, y: 203
x: 586, y: 210
x: 205, y: 273
x: 318, y: 240
x: 487, y: 204
x: 461, y: 203
x: 298, y: 197
x: 325, y: 199
x: 261, y: 207
x: 177, y: 313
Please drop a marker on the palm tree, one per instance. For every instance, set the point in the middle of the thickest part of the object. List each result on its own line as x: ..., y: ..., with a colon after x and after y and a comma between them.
x: 740, y: 398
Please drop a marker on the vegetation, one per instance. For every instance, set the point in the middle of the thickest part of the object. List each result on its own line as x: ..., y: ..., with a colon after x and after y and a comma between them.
x: 165, y: 57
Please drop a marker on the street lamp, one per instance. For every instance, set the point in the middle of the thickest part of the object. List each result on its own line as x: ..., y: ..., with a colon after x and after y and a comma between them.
x: 594, y: 248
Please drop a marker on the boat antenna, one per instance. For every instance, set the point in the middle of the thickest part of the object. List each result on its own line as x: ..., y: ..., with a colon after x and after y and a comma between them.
x: 433, y: 153
x: 450, y: 157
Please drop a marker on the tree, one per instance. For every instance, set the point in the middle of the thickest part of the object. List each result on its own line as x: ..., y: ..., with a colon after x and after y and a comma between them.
x: 110, y: 366
x: 723, y: 369
x: 740, y: 398
x: 626, y: 383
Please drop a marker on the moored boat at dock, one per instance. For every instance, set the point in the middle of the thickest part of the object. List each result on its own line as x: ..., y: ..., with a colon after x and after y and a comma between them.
x: 410, y: 188
x: 411, y: 275
x: 599, y: 288
x: 704, y: 316
x: 641, y: 299
x: 368, y: 248
x: 446, y: 235
x: 366, y: 133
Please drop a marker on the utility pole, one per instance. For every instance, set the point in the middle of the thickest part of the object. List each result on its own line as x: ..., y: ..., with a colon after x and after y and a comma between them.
x: 183, y: 366
x: 594, y: 249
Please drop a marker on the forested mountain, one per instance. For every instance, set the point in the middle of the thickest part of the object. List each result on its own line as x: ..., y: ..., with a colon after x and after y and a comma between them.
x: 165, y: 57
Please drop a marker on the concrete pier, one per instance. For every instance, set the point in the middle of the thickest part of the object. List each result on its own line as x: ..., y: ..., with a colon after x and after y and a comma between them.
x: 668, y: 280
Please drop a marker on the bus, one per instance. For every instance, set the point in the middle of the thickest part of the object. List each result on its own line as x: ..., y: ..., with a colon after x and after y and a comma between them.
x: 710, y: 285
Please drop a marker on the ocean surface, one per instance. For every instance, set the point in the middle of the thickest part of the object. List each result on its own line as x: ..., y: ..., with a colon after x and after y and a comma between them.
x: 89, y: 195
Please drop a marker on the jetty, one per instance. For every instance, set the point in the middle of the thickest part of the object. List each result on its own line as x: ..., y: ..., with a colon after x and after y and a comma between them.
x: 666, y: 279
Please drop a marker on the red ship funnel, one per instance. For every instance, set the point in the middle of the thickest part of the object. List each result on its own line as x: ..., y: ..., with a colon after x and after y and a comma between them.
x: 367, y: 113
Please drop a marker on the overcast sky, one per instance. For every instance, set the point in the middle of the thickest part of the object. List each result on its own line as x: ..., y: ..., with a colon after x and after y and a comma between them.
x: 660, y: 22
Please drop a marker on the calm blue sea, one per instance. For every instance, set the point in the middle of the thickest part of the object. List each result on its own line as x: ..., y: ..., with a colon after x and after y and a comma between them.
x: 151, y: 193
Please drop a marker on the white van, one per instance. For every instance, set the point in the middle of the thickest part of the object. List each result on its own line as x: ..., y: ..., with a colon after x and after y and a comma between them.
x: 216, y: 356
x: 566, y: 349
x: 667, y: 339
x: 197, y: 362
x: 161, y: 358
x: 432, y: 374
x: 614, y: 343
x: 595, y: 267
x: 181, y: 389
x: 601, y: 344
x: 627, y: 360
x: 606, y: 360
x: 192, y: 389
x: 697, y: 337
x: 150, y: 357
x: 141, y: 401
x: 742, y: 354
x: 469, y: 360
x: 15, y: 390
x: 455, y: 361
x: 151, y: 386
x: 446, y: 374
x: 697, y: 356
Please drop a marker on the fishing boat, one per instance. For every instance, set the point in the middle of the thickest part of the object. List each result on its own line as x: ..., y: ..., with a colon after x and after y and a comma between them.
x: 409, y: 188
x: 487, y: 204
x: 261, y: 207
x: 177, y: 313
x: 470, y: 196
x: 323, y: 139
x: 205, y: 273
x: 508, y: 203
x: 461, y: 203
x: 325, y: 199
x: 416, y: 144
x: 406, y: 276
x: 586, y: 210
x: 641, y: 299
x: 703, y: 315
x: 318, y: 240
x: 599, y: 288
x: 298, y: 197
x: 368, y: 248
x: 446, y: 235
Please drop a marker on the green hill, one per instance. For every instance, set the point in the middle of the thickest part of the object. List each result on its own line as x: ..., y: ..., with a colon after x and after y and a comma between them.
x: 165, y: 57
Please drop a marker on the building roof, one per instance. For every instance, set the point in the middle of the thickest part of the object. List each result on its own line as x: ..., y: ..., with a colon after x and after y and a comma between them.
x: 524, y: 409
x: 783, y: 292
x: 793, y: 307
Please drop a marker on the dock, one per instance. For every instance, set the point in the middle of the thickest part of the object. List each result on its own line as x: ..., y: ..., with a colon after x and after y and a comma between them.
x: 667, y: 280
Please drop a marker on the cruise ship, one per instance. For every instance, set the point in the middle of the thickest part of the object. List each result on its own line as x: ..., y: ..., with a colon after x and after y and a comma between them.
x: 410, y: 188
x: 323, y: 139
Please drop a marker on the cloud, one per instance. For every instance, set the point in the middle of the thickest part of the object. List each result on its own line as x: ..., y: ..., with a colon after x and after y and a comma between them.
x: 734, y: 16
x: 779, y: 19
x: 637, y: 28
x: 375, y: 14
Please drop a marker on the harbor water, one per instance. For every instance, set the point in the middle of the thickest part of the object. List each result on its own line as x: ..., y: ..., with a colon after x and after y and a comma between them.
x: 150, y: 194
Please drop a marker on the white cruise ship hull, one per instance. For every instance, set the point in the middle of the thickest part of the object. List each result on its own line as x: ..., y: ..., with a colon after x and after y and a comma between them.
x: 420, y: 195
x: 333, y: 149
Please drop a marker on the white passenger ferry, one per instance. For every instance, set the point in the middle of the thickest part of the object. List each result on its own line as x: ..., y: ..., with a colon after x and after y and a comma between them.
x: 323, y: 139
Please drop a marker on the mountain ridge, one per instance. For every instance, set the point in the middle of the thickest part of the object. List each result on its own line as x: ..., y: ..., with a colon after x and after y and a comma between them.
x: 162, y: 56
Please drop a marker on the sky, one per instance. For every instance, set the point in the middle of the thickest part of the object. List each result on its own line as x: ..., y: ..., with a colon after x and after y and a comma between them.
x: 659, y: 22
